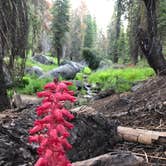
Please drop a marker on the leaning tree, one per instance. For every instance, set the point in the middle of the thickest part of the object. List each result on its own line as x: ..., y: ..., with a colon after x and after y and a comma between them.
x: 149, y: 42
x: 13, y: 39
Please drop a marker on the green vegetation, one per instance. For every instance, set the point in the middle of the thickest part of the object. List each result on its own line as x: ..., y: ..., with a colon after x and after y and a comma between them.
x: 91, y: 58
x: 120, y: 80
x: 90, y: 31
x: 30, y: 63
x: 85, y: 72
x: 60, y: 25
x: 30, y: 85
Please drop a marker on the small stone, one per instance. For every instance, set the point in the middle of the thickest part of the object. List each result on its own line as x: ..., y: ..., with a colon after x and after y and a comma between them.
x: 164, y: 103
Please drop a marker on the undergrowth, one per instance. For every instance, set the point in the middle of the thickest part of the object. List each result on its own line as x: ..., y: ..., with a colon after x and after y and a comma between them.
x: 120, y: 80
x: 30, y: 85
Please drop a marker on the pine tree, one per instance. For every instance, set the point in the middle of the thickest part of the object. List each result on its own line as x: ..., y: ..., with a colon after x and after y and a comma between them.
x: 60, y: 25
x: 134, y: 20
x: 75, y: 37
x: 90, y: 32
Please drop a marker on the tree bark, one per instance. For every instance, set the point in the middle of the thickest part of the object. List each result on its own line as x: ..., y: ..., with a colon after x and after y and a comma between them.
x: 149, y: 43
x: 59, y: 54
x: 135, y: 18
x: 118, y: 23
x: 4, y: 100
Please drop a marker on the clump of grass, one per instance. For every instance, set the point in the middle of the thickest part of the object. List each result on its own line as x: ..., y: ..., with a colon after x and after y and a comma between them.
x: 120, y: 80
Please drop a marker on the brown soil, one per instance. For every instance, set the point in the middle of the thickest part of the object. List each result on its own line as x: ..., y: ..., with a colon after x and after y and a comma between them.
x: 145, y: 109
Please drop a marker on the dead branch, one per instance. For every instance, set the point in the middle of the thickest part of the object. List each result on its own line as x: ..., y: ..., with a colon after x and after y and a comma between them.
x: 141, y: 136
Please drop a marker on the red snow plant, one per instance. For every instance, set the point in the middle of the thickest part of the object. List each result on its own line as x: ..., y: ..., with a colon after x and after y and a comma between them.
x: 50, y: 131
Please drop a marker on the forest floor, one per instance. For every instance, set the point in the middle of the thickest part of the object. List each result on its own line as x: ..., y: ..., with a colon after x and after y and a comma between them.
x: 144, y: 109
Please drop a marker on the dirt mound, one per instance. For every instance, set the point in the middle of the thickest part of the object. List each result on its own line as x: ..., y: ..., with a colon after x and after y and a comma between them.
x: 145, y: 109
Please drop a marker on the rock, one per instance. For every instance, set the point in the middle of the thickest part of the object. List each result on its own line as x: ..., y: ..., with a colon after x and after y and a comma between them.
x: 77, y: 66
x: 17, y: 101
x: 79, y: 84
x: 118, y: 66
x: 105, y: 63
x: 35, y: 70
x: 43, y: 59
x: 67, y: 71
x: 28, y: 99
x: 119, y: 159
x: 104, y: 93
x: 8, y: 78
x: 136, y: 87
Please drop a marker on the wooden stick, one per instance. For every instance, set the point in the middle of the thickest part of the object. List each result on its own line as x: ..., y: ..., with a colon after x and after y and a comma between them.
x: 141, y: 136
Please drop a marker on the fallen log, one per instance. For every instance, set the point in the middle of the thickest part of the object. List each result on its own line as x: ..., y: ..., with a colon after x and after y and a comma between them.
x: 141, y: 136
x: 115, y: 159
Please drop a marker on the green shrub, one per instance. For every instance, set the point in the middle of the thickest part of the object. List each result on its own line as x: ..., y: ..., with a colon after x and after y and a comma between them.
x: 25, y: 80
x: 33, y: 86
x: 87, y: 71
x: 10, y: 93
x: 79, y: 76
x: 73, y: 88
x: 91, y: 58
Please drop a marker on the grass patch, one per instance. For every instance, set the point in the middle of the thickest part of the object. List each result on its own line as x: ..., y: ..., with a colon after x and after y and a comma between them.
x: 30, y: 63
x: 120, y: 80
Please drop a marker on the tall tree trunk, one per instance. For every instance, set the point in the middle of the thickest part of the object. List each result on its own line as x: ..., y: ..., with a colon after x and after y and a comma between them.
x: 118, y: 23
x: 149, y: 43
x: 4, y: 100
x: 59, y: 54
x: 135, y: 19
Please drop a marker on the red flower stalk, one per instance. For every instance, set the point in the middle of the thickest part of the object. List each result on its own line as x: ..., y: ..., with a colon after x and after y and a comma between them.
x: 51, y: 130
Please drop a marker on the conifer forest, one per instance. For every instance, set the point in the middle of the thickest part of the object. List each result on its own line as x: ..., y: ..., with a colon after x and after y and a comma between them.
x: 83, y: 83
